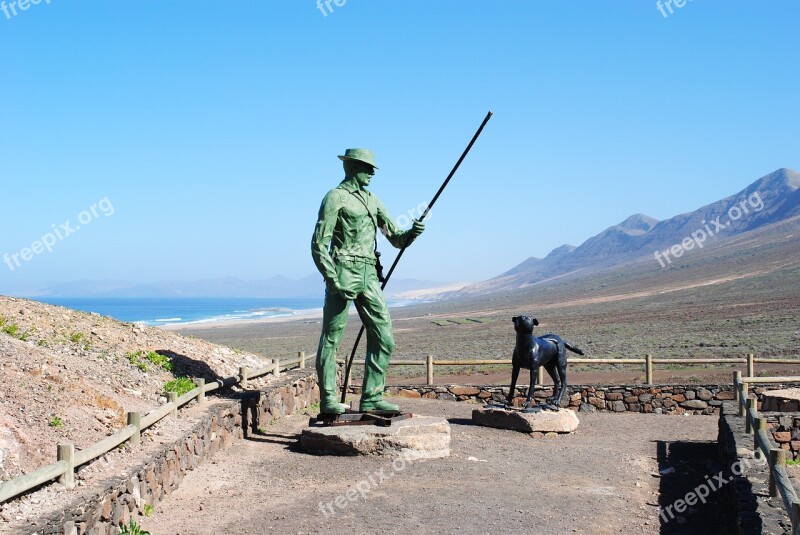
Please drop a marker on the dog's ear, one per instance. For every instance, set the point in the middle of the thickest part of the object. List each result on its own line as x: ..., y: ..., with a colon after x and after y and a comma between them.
x: 535, y: 322
x: 514, y: 319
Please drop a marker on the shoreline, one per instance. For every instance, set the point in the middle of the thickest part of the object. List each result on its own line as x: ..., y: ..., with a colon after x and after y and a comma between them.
x: 309, y: 314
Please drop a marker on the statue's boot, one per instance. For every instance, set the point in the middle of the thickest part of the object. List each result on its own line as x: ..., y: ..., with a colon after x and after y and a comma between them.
x: 378, y: 405
x: 333, y: 407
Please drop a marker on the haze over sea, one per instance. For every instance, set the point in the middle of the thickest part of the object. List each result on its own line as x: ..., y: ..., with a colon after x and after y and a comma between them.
x: 182, y: 311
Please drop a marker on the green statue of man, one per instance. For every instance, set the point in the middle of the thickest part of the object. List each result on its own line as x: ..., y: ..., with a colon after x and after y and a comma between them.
x: 343, y: 248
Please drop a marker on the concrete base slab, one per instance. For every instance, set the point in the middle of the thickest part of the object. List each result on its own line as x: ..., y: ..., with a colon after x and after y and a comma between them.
x: 419, y: 437
x: 561, y: 421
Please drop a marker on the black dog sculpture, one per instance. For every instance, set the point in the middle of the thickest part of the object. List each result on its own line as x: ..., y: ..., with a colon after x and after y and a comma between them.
x: 531, y: 352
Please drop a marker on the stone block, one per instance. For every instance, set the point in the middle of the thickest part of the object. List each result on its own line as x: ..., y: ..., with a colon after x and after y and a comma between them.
x: 465, y: 391
x: 695, y: 404
x: 417, y: 437
x: 544, y: 421
x: 782, y: 436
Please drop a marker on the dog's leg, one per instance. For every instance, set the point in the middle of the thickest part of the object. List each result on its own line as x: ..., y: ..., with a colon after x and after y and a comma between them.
x: 534, y: 375
x: 514, y: 376
x: 562, y: 372
x: 553, y: 373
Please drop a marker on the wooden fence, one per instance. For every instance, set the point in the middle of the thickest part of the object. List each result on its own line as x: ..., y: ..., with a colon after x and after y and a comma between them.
x: 68, y: 458
x: 779, y: 481
x: 648, y: 363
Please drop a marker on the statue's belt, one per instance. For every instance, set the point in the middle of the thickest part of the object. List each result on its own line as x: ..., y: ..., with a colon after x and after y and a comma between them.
x: 355, y: 259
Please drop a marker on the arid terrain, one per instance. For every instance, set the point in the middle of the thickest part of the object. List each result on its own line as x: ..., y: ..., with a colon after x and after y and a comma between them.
x: 70, y: 377
x: 603, y: 479
x: 728, y: 301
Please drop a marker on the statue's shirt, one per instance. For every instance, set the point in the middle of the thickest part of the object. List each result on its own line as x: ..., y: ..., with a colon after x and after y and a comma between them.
x: 346, y: 228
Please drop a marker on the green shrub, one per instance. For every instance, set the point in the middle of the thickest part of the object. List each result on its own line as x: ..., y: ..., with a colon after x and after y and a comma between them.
x: 162, y: 361
x: 56, y: 421
x: 140, y: 360
x: 181, y: 385
x: 133, y: 529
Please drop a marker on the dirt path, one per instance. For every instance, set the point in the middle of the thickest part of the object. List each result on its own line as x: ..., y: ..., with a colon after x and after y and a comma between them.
x: 602, y: 479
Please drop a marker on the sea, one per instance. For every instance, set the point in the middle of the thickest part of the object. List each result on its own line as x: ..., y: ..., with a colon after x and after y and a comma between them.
x: 182, y: 311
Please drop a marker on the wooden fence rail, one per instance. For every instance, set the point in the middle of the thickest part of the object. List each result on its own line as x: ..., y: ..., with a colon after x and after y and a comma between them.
x: 69, y: 458
x: 648, y: 362
x: 779, y: 481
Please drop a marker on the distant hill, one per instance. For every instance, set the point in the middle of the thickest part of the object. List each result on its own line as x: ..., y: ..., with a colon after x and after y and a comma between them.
x: 275, y: 287
x: 768, y: 200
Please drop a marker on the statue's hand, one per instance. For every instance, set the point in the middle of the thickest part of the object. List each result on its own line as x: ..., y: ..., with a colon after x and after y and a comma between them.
x: 417, y: 227
x: 343, y: 291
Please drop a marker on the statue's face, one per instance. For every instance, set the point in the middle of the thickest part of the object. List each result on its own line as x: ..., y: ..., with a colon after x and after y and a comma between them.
x: 362, y: 172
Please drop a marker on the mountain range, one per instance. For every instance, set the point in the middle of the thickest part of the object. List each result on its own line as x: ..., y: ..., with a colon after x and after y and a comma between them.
x: 769, y: 200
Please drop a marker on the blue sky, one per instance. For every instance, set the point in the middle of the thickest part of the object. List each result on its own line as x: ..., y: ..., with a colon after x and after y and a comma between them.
x: 212, y: 128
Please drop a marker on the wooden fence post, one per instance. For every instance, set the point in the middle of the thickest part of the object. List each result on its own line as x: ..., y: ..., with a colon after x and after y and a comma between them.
x: 746, y: 390
x: 777, y: 456
x: 173, y: 398
x: 429, y: 366
x: 66, y: 452
x: 302, y: 356
x: 795, y: 516
x: 751, y: 365
x: 201, y: 383
x: 748, y: 427
x: 135, y: 418
x: 648, y: 372
x: 761, y: 423
x: 737, y: 380
x: 277, y: 371
x: 243, y: 376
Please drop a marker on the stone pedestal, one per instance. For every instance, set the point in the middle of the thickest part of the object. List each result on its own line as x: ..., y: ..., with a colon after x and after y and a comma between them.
x: 419, y: 437
x: 561, y: 421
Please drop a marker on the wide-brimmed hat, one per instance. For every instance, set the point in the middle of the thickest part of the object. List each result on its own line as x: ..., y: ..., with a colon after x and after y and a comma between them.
x: 360, y: 155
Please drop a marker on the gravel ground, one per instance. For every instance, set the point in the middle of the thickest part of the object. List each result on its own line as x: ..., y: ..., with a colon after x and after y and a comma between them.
x: 602, y: 479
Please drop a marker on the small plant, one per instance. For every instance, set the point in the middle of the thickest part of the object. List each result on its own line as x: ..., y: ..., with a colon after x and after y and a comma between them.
x: 140, y: 360
x: 77, y: 337
x: 41, y: 342
x: 133, y: 529
x: 56, y: 421
x: 11, y: 329
x: 162, y: 361
x: 181, y: 385
x: 149, y: 510
x: 793, y: 462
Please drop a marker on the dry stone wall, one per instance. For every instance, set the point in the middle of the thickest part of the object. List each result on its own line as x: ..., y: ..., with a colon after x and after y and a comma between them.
x: 659, y: 399
x: 125, y: 498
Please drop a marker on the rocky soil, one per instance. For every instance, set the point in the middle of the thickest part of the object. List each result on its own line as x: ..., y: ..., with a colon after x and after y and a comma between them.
x: 70, y: 377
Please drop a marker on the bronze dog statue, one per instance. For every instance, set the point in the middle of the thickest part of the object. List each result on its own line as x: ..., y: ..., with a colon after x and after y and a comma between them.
x: 531, y: 352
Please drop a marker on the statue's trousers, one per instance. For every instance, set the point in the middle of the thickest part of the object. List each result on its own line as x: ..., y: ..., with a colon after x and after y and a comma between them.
x: 359, y: 277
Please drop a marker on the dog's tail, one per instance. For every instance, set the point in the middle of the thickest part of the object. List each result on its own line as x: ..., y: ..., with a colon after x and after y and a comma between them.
x: 574, y: 349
